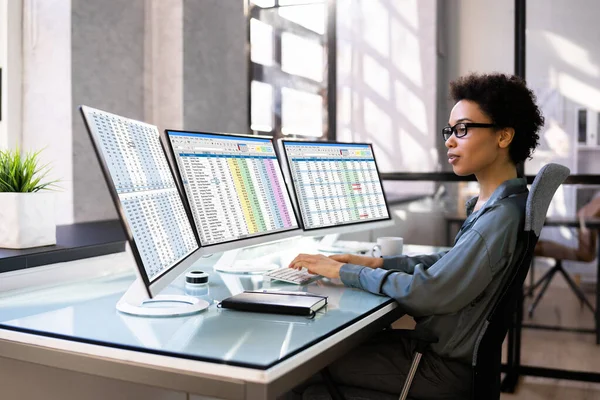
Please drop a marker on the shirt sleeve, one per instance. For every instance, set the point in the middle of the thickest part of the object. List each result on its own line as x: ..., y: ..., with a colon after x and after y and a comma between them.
x: 455, y: 279
x: 407, y: 264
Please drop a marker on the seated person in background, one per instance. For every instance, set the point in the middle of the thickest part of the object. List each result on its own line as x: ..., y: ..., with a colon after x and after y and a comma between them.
x: 586, y: 248
x: 492, y: 127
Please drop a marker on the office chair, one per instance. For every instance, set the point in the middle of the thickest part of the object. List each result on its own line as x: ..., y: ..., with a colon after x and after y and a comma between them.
x: 560, y: 253
x: 487, y: 357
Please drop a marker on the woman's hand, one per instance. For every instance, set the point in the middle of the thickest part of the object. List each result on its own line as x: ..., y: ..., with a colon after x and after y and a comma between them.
x: 330, y: 266
x: 371, y: 262
x: 317, y: 264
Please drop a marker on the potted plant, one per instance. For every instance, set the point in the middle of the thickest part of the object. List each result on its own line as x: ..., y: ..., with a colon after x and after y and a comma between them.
x: 26, y: 203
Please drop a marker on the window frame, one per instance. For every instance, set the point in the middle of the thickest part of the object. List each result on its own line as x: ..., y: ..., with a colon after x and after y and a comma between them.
x: 258, y: 72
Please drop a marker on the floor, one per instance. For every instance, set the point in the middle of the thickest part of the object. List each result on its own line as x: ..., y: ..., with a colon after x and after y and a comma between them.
x: 564, y: 350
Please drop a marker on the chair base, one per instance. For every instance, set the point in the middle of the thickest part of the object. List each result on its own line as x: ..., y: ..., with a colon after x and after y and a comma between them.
x: 545, y: 281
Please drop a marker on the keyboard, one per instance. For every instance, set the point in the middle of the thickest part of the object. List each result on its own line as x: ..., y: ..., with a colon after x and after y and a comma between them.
x: 289, y: 275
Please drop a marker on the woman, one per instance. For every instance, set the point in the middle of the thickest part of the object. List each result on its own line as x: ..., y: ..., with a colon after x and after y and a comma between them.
x: 492, y: 127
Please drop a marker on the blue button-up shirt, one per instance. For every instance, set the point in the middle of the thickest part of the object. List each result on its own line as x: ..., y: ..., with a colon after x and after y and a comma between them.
x: 450, y: 293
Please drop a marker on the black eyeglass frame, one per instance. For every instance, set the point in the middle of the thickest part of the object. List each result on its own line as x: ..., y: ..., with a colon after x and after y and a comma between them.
x: 449, y: 130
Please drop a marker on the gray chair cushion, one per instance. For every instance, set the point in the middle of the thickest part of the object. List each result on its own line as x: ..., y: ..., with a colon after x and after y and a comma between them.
x: 547, y: 180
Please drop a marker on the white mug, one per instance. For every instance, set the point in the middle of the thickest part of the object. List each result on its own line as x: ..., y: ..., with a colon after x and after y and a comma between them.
x: 387, y: 246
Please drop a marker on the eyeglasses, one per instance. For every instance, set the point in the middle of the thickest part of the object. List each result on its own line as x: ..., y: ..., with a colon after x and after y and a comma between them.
x: 461, y: 128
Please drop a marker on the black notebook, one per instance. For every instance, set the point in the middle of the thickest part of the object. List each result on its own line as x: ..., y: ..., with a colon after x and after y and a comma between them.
x: 296, y: 303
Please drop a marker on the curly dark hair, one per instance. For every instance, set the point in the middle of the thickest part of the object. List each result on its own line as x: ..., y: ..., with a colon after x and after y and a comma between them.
x: 509, y: 103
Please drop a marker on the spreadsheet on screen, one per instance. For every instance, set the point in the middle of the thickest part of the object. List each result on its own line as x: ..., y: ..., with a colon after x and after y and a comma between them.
x: 234, y: 185
x: 146, y: 190
x: 335, y: 183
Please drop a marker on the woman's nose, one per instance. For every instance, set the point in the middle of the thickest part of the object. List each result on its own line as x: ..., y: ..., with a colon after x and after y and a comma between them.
x: 450, y: 142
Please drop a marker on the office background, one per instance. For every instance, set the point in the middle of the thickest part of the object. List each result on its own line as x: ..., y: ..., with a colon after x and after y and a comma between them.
x: 183, y: 64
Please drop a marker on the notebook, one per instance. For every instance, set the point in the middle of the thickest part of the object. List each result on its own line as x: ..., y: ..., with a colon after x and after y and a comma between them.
x: 296, y: 303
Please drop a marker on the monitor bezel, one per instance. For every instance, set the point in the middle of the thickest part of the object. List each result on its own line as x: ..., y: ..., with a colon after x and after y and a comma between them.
x: 233, y: 243
x: 340, y: 225
x: 163, y: 279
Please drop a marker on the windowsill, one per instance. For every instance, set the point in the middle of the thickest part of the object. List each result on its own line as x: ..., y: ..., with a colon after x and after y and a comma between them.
x: 73, y: 242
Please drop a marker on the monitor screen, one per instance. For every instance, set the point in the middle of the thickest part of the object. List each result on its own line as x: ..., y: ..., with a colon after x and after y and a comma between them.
x: 234, y: 186
x: 335, y: 183
x: 144, y: 190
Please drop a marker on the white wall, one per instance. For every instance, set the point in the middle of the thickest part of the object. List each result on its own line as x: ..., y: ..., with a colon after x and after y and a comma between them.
x: 3, y: 45
x: 478, y: 37
x: 387, y: 82
x: 485, y: 40
x: 47, y: 105
x: 11, y: 62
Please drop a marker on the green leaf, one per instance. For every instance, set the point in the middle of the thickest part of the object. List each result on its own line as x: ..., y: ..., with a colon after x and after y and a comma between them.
x: 22, y: 173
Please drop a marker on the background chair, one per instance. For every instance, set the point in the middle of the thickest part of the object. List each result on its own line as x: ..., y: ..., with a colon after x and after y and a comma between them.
x: 487, y: 356
x: 585, y: 252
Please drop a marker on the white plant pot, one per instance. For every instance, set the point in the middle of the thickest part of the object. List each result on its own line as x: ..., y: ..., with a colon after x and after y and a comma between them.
x: 27, y: 220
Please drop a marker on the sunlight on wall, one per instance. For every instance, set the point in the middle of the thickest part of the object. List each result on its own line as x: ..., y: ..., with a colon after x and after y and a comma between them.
x: 434, y: 160
x: 578, y: 91
x: 415, y: 157
x: 344, y: 60
x: 408, y: 10
x: 376, y: 76
x: 411, y: 106
x: 571, y: 53
x: 406, y: 52
x: 378, y: 123
x: 344, y: 104
x: 387, y: 80
x: 376, y: 30
x: 345, y: 14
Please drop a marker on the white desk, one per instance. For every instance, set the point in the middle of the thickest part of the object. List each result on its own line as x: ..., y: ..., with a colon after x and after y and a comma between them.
x: 69, y: 342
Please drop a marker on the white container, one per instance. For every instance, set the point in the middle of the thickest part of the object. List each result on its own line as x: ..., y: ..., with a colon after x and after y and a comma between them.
x: 27, y: 220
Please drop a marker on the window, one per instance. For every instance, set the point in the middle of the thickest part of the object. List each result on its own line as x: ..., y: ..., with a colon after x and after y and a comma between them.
x: 289, y: 80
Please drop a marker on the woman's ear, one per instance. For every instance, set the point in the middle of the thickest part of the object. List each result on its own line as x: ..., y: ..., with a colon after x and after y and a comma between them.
x: 506, y: 137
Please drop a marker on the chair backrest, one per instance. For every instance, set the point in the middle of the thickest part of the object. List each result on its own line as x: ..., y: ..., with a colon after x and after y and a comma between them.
x: 488, y: 352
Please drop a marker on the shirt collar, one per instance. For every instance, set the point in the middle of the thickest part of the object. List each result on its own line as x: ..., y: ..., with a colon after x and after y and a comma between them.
x: 506, y: 189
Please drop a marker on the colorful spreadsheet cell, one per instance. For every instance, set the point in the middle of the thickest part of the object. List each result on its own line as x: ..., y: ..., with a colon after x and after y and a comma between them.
x: 335, y: 183
x: 234, y: 186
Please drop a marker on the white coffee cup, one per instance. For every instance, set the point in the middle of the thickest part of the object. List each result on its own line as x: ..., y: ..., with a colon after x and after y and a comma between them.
x: 387, y: 246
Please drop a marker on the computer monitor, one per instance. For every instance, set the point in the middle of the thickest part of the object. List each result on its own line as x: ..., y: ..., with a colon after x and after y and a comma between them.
x: 151, y: 210
x: 235, y: 191
x: 336, y: 185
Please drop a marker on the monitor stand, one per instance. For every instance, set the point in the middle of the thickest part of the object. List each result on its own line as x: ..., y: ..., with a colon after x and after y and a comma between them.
x: 230, y: 263
x: 135, y: 301
x: 328, y: 241
x: 330, y: 244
